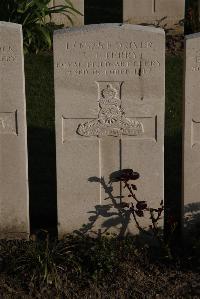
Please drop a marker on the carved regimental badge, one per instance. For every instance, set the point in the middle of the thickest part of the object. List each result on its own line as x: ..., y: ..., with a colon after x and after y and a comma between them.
x: 111, y: 120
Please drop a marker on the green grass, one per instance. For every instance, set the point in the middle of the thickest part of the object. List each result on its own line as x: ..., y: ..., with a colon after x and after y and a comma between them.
x: 40, y: 91
x: 81, y: 267
x: 41, y: 137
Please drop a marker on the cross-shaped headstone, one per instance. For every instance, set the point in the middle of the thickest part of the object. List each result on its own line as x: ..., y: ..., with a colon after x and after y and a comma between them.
x: 109, y: 102
x: 110, y: 127
x: 191, y: 131
x: 14, y: 207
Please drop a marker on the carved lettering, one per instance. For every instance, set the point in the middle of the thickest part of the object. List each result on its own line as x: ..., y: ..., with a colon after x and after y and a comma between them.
x: 196, y: 62
x: 7, y: 58
x: 129, y: 58
x: 117, y: 72
x: 120, y: 55
x: 100, y: 45
x: 7, y: 54
x: 6, y: 49
x: 195, y: 68
x: 131, y: 67
x: 198, y: 59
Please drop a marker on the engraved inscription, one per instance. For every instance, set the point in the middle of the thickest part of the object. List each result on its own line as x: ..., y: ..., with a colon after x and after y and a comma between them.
x: 8, y: 123
x: 195, y: 133
x: 127, y: 59
x: 103, y: 45
x: 110, y: 66
x: 196, y: 62
x: 112, y: 120
x: 7, y: 54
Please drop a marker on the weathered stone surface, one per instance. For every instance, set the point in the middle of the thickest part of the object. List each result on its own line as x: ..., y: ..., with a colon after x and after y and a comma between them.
x: 14, y: 219
x: 166, y: 13
x: 78, y: 20
x: 109, y: 93
x: 191, y: 140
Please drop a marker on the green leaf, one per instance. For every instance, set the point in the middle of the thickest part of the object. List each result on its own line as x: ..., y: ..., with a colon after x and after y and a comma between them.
x: 32, y: 15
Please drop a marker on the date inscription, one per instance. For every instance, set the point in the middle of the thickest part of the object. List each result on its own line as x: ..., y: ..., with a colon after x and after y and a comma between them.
x: 108, y: 58
x: 7, y: 54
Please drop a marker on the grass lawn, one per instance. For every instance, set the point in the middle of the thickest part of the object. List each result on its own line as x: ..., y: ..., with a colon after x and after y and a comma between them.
x: 41, y: 137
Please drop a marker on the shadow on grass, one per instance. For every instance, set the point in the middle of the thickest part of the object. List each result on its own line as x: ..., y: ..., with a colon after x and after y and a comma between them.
x: 42, y: 179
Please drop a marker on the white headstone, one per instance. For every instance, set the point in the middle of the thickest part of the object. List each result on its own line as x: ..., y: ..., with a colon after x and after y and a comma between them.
x: 109, y: 93
x: 191, y: 157
x: 78, y: 20
x: 14, y: 209
x: 153, y: 11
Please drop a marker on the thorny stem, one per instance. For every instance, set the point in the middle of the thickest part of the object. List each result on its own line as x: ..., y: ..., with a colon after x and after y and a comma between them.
x: 154, y: 219
x: 130, y: 190
x: 136, y: 221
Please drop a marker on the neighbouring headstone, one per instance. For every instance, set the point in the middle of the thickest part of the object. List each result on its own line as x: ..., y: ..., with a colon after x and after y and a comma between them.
x: 191, y: 140
x: 78, y: 20
x: 168, y: 14
x: 14, y: 211
x: 109, y: 94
